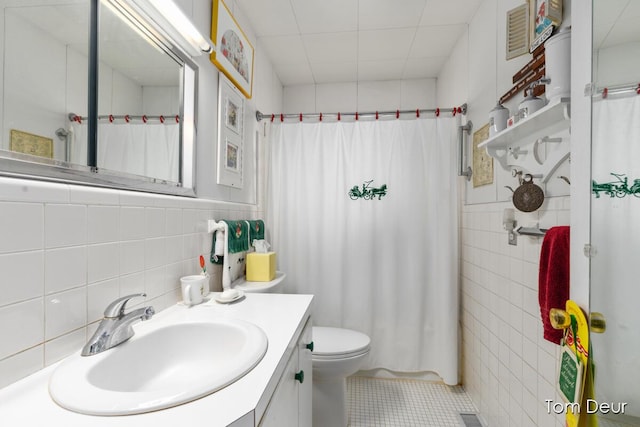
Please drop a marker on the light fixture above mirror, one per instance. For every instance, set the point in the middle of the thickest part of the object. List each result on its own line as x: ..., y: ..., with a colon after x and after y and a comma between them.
x: 172, y: 22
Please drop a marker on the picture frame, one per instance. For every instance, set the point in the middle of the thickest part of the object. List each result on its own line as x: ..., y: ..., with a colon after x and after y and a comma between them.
x: 482, y: 162
x: 29, y: 143
x: 544, y: 17
x: 231, y: 156
x: 234, y: 53
x: 230, y: 135
x: 232, y: 116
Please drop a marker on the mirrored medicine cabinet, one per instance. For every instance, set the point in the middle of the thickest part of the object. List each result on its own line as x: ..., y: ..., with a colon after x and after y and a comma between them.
x: 95, y: 92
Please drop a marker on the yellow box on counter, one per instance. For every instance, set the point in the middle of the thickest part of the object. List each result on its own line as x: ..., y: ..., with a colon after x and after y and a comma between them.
x: 261, y: 267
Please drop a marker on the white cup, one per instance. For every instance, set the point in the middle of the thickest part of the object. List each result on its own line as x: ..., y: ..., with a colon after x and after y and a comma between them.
x: 193, y: 289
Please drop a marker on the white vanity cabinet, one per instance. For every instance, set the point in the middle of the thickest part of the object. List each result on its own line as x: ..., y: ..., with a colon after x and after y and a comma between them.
x: 267, y: 395
x: 290, y: 405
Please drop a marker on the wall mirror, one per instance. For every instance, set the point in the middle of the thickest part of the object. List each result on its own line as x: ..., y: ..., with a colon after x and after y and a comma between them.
x: 143, y: 93
x: 615, y: 207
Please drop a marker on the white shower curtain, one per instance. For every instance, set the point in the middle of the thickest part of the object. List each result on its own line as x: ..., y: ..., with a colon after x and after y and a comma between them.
x: 615, y: 231
x: 146, y: 149
x: 389, y: 266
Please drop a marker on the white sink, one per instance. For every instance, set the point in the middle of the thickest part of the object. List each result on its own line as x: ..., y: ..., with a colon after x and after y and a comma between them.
x: 160, y: 367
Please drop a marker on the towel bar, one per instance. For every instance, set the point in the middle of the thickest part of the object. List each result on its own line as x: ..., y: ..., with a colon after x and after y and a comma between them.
x: 212, y: 226
x: 531, y: 231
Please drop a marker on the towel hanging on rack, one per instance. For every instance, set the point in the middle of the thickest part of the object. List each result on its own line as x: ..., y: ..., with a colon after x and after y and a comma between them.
x: 553, y: 279
x: 256, y: 230
x: 237, y: 239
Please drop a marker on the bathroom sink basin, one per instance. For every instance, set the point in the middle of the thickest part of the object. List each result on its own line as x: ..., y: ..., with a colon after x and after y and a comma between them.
x: 160, y: 367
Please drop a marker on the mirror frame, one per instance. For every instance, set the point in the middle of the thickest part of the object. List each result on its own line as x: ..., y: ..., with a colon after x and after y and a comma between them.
x: 18, y: 165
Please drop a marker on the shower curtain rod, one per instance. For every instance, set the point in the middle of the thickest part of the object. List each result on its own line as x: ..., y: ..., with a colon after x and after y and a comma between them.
x: 625, y: 89
x: 126, y: 117
x: 437, y: 111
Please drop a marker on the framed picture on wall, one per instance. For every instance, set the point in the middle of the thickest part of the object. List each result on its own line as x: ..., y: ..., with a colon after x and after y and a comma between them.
x: 232, y: 117
x: 28, y: 143
x: 231, y: 157
x: 482, y: 162
x: 234, y: 53
x: 230, y: 135
x: 544, y: 17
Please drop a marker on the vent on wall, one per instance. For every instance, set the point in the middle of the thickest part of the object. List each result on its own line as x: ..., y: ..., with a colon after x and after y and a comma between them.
x: 470, y: 420
x: 518, y: 31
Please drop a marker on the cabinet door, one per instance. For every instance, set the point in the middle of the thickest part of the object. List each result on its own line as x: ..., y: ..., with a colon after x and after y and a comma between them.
x: 305, y: 345
x: 283, y: 407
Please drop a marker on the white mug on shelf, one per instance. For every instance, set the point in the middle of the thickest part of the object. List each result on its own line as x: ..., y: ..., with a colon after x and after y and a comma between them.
x: 193, y: 289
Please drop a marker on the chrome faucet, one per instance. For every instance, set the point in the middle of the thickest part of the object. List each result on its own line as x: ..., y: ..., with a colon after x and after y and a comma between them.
x: 115, y: 328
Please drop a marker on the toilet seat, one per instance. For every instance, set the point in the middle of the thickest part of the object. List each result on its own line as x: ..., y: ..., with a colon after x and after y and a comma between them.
x: 338, y: 343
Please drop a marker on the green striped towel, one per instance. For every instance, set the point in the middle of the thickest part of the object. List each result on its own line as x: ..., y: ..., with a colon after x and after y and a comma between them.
x: 256, y: 230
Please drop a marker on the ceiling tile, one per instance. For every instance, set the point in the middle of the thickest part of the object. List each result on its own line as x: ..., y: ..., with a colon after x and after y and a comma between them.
x: 418, y: 68
x: 284, y: 49
x: 380, y: 14
x: 326, y: 16
x: 625, y: 29
x: 292, y: 74
x: 351, y: 40
x: 380, y: 70
x: 632, y: 10
x: 607, y: 14
x: 385, y: 44
x: 436, y: 40
x: 334, y: 72
x: 270, y: 18
x: 331, y: 47
x: 447, y: 12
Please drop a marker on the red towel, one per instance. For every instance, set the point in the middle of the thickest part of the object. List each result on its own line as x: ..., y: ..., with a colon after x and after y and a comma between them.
x: 553, y: 278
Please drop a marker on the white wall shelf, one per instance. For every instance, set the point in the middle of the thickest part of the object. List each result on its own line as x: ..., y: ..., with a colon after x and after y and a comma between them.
x: 517, y: 146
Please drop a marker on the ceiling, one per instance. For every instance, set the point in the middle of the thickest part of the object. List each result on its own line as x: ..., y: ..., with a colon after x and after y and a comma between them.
x: 331, y: 41
x: 615, y: 22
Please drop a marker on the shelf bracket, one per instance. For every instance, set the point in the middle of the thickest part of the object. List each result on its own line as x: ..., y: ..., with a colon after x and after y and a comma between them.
x: 510, y: 147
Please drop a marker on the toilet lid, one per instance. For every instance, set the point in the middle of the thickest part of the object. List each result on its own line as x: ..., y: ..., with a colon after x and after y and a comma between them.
x: 337, y: 341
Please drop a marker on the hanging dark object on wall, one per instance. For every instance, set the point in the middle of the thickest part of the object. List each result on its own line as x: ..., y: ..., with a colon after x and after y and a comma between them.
x: 367, y: 192
x: 528, y: 197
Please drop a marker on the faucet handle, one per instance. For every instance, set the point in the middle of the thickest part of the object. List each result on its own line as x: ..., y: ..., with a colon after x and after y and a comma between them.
x: 116, y: 308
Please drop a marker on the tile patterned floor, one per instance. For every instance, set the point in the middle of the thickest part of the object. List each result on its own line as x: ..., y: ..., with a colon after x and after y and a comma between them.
x: 377, y: 402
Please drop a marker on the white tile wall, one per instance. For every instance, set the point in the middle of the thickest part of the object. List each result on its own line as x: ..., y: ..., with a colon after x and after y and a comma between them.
x: 65, y: 268
x: 23, y: 273
x: 66, y: 252
x: 28, y: 218
x: 508, y: 368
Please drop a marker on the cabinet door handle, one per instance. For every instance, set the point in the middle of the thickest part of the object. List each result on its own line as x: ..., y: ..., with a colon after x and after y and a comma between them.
x: 310, y: 346
x: 300, y: 376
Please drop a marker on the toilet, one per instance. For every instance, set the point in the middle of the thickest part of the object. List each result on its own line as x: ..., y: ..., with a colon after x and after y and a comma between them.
x: 337, y: 353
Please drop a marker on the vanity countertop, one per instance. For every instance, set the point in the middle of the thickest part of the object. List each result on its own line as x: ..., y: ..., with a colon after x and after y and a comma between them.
x: 281, y: 317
